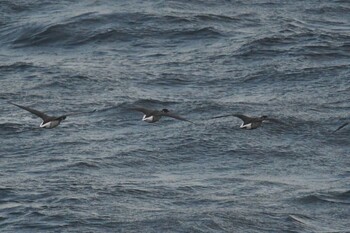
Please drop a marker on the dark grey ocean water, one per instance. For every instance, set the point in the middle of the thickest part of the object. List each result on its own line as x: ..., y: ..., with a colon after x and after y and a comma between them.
x: 111, y: 172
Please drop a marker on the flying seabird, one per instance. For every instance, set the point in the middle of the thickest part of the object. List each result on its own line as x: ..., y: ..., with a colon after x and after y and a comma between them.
x: 151, y: 116
x: 49, y: 122
x: 250, y: 122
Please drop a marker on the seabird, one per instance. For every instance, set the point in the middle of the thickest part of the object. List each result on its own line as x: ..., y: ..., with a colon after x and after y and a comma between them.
x: 49, y: 122
x: 342, y: 126
x: 250, y: 122
x: 151, y: 116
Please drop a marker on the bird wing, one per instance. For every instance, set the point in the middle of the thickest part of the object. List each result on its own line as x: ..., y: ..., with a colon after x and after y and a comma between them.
x: 169, y: 114
x: 245, y: 119
x: 33, y: 111
x: 145, y: 111
x: 342, y: 126
x: 221, y: 116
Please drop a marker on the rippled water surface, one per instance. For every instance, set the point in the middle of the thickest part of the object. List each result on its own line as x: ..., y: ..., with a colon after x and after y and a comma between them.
x: 110, y: 172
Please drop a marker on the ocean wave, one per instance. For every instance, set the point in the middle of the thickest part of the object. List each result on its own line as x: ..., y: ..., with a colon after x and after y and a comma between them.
x: 83, y: 165
x: 166, y: 79
x: 93, y: 27
x: 65, y: 81
x: 324, y: 51
x: 17, y: 66
x: 329, y: 9
x: 193, y: 33
x: 6, y: 192
x: 123, y: 34
x: 331, y: 197
x: 298, y: 38
x: 10, y: 127
x: 15, y: 7
x: 314, y: 224
x: 217, y: 18
x: 266, y: 46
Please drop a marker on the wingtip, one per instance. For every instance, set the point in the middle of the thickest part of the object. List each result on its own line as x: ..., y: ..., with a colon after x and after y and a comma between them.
x: 340, y: 127
x: 14, y: 104
x: 334, y: 131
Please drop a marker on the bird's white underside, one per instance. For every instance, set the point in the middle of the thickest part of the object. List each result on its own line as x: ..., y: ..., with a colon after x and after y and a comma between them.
x: 147, y: 119
x: 49, y: 124
x: 246, y: 126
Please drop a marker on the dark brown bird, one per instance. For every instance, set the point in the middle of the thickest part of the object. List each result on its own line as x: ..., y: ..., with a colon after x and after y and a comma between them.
x: 151, y: 116
x: 251, y: 122
x: 49, y: 122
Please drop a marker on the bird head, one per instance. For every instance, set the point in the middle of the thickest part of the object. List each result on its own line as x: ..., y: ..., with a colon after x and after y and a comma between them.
x: 164, y: 110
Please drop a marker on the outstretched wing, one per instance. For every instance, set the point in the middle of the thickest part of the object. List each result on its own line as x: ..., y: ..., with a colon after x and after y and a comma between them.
x: 221, y: 116
x: 169, y: 114
x: 33, y: 111
x: 342, y: 126
x: 245, y: 119
x: 145, y: 111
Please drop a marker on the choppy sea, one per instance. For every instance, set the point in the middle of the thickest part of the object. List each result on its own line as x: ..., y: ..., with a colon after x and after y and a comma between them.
x: 110, y: 172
